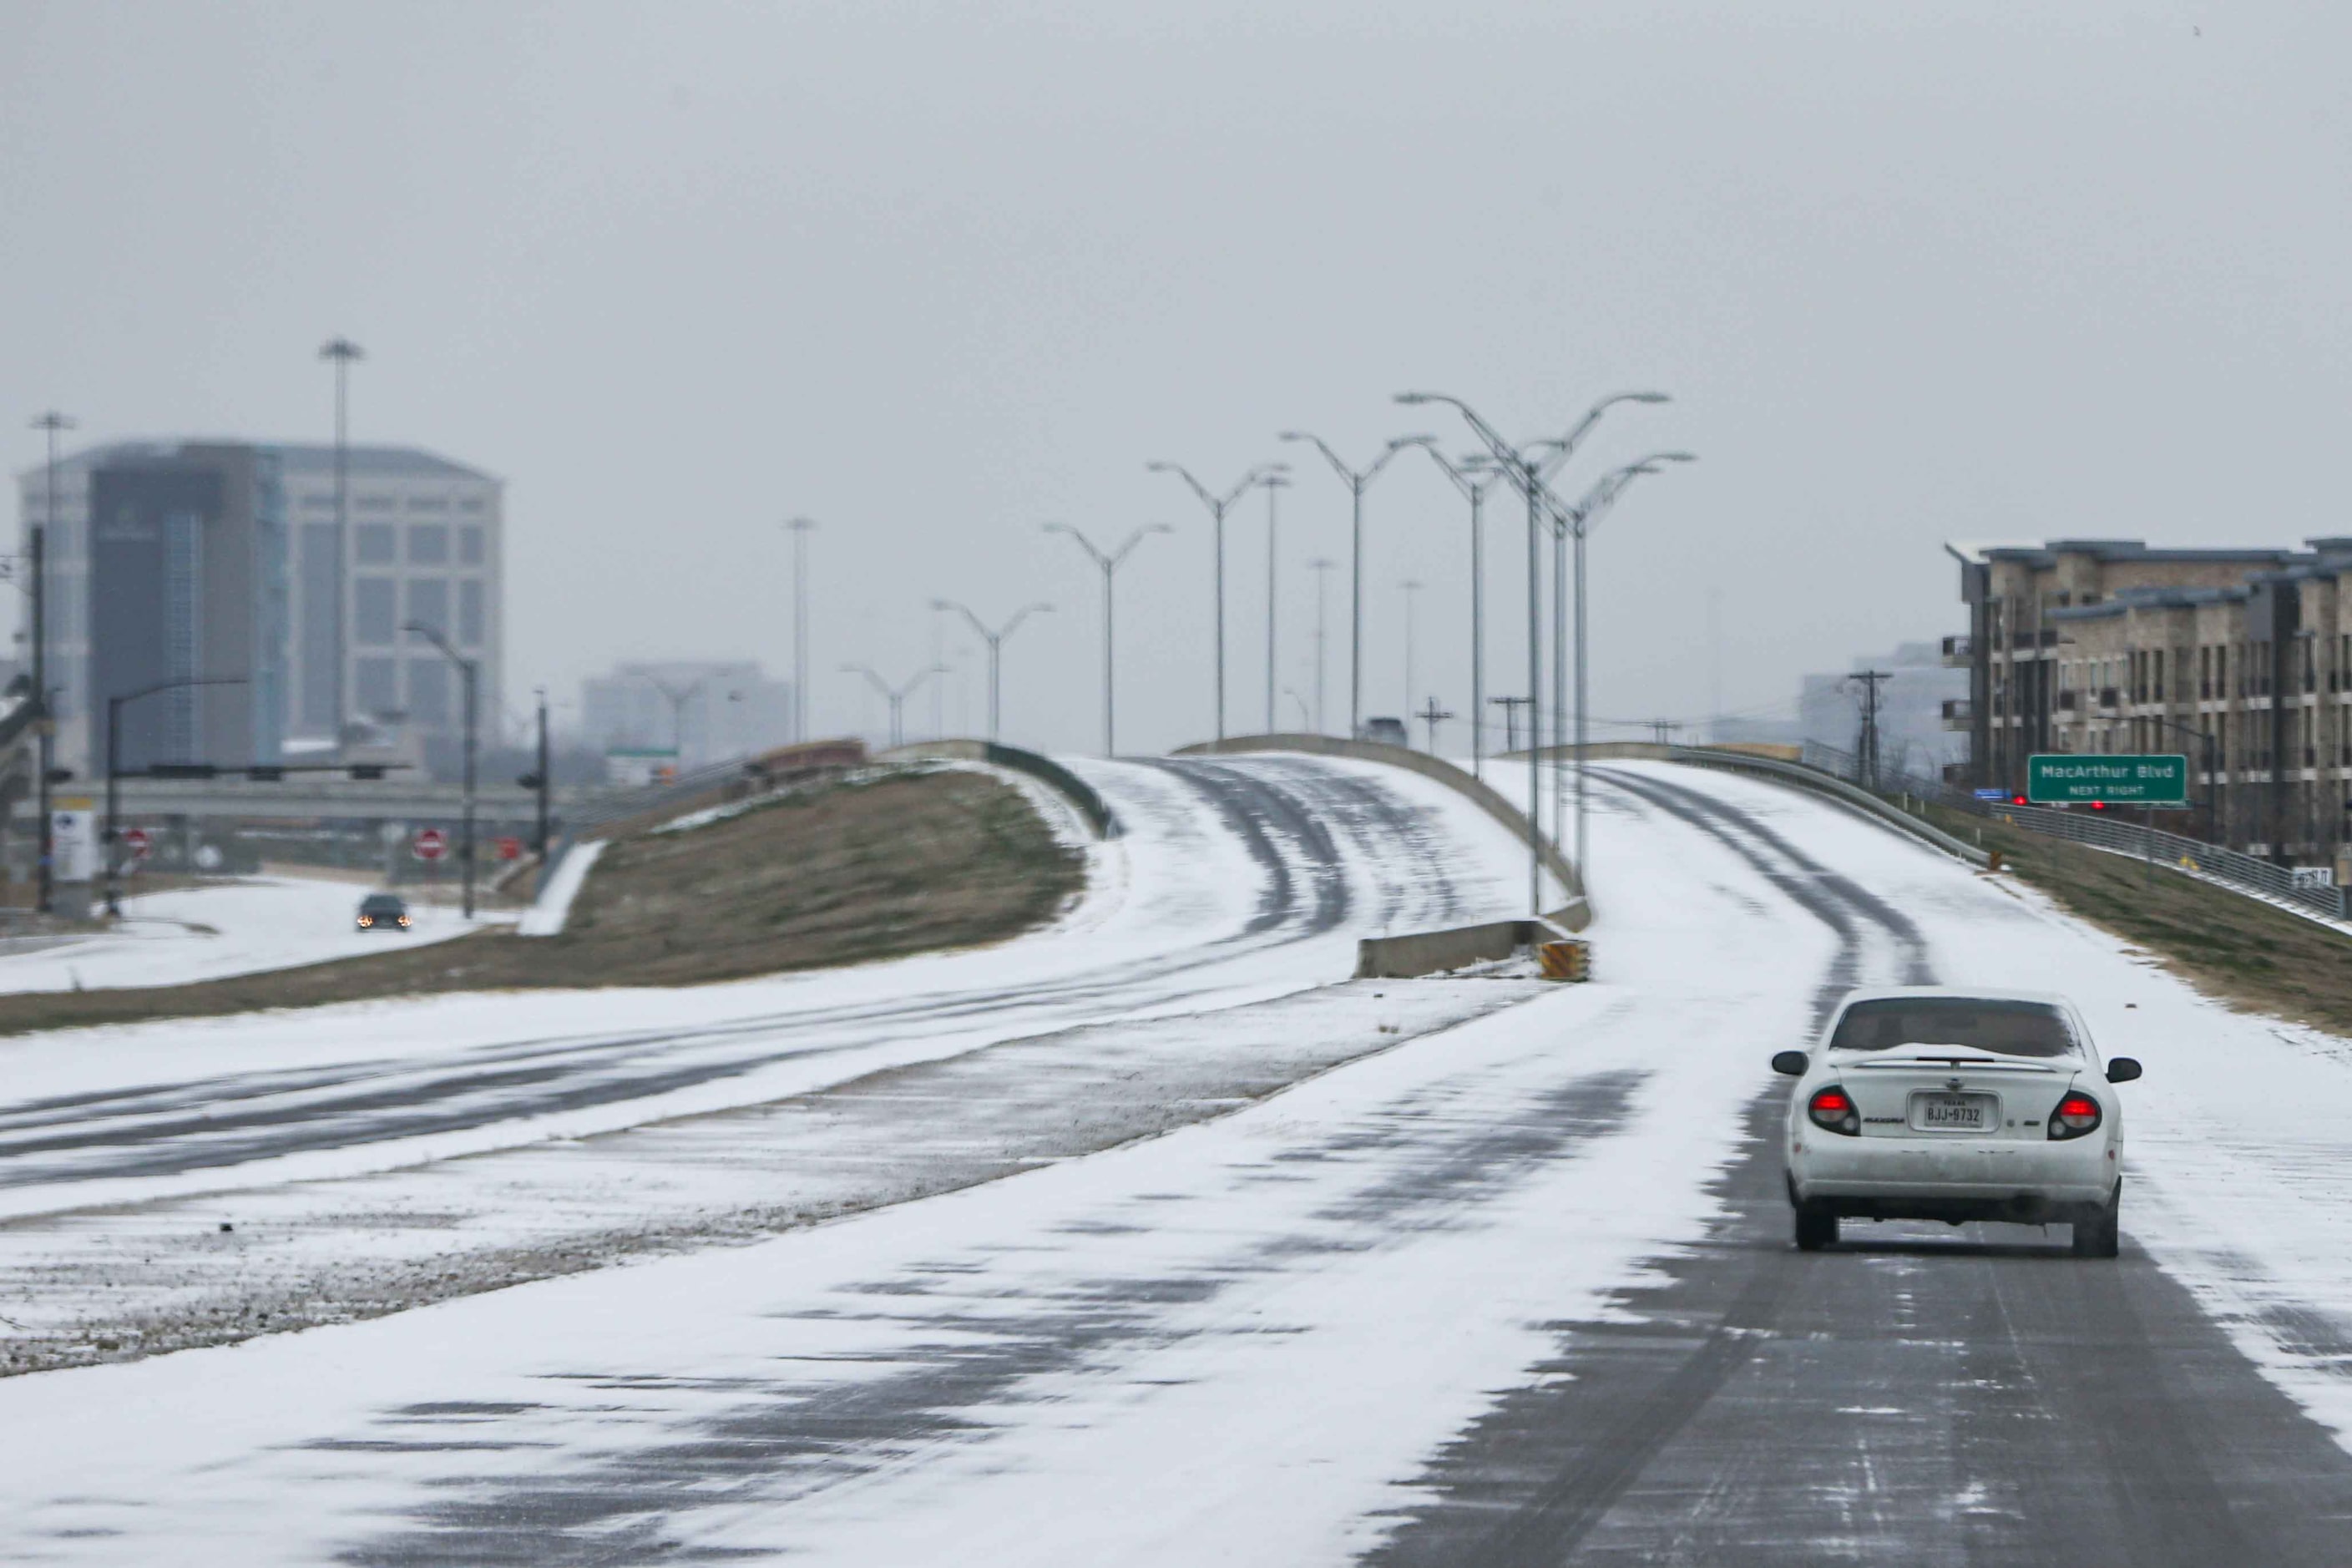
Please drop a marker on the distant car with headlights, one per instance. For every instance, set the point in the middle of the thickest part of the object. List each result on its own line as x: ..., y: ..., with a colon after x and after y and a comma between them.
x: 1929, y: 1102
x: 384, y: 911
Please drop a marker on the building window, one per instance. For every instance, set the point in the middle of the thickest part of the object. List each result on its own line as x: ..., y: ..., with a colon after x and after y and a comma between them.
x: 374, y: 610
x: 428, y: 691
x: 375, y: 544
x: 469, y: 611
x: 429, y: 544
x: 428, y: 503
x: 374, y: 503
x: 377, y: 680
x: 472, y: 545
x: 428, y: 603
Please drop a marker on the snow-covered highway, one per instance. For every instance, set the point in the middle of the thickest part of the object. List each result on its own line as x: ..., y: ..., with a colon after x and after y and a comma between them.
x: 1510, y: 1283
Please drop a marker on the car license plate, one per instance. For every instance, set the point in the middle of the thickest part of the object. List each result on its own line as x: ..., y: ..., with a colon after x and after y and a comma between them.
x: 1954, y: 1112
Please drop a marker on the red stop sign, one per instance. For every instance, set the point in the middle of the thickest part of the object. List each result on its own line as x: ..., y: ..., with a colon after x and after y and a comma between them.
x: 135, y: 839
x: 430, y: 844
x: 510, y: 849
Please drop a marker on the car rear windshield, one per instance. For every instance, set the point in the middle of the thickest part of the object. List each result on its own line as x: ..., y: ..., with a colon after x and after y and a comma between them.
x: 380, y: 904
x: 2011, y: 1029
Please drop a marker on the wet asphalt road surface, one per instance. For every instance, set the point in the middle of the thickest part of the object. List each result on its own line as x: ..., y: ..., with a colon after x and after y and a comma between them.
x: 1919, y: 1394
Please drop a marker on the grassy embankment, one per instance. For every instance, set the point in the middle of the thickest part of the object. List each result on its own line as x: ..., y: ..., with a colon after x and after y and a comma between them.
x: 832, y: 874
x: 2236, y: 948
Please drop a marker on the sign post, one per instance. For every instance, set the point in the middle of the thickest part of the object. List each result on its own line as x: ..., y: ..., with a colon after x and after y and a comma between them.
x: 2157, y: 780
x: 429, y: 845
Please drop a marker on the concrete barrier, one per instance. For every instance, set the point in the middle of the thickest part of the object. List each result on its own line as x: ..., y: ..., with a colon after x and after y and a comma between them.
x: 1441, y: 951
x: 1576, y: 913
x: 1044, y: 770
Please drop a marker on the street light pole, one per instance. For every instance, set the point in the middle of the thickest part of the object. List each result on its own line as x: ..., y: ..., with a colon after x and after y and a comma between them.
x: 1109, y: 565
x: 342, y: 353
x: 799, y: 527
x: 1322, y: 566
x: 51, y: 425
x: 1578, y: 521
x: 1217, y: 505
x: 1411, y: 588
x: 1525, y: 477
x: 896, y: 695
x: 677, y: 698
x: 114, y: 707
x: 995, y: 641
x: 539, y: 825
x: 1474, y: 479
x: 1274, y: 484
x: 1356, y: 483
x: 465, y: 670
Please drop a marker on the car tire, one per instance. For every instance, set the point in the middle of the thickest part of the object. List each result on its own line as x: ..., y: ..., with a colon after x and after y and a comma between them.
x: 1817, y: 1227
x: 2099, y: 1232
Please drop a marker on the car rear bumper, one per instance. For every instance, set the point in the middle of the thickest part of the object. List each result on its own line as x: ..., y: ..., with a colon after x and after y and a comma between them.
x: 1892, y: 1178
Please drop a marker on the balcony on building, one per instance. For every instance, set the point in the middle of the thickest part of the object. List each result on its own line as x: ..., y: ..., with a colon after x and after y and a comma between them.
x: 1958, y: 652
x: 1959, y: 714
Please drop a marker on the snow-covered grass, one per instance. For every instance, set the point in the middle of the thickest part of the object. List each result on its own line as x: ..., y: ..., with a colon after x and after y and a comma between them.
x: 551, y: 910
x: 226, y: 929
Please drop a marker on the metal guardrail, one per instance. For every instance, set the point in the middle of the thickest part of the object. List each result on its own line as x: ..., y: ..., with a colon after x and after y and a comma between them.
x: 1082, y: 795
x: 2232, y: 868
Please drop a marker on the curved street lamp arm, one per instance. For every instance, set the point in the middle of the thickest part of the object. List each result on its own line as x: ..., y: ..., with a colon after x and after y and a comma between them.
x: 1135, y: 538
x: 1503, y: 450
x: 1565, y: 447
x: 1083, y: 542
x: 436, y: 638
x: 1020, y: 615
x: 1388, y: 453
x: 1345, y: 472
x: 1185, y: 474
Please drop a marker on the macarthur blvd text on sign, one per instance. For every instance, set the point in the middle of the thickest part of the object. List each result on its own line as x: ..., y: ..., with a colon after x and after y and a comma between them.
x: 2053, y: 780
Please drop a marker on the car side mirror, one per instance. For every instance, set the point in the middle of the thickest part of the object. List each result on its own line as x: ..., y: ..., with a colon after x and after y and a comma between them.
x: 2122, y: 1070
x: 1792, y: 1063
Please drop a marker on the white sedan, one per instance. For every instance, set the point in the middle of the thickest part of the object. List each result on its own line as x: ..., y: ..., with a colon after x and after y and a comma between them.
x: 1925, y: 1102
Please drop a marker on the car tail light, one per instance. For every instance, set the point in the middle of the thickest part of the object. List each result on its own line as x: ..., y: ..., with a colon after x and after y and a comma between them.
x: 1833, y: 1111
x: 2076, y: 1114
x: 366, y: 921
x: 404, y: 921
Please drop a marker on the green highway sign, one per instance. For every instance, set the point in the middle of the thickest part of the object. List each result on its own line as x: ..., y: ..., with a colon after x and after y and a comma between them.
x: 2069, y: 780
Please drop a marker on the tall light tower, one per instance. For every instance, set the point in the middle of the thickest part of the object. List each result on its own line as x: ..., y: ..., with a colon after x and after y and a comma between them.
x: 1357, y: 482
x: 1109, y: 564
x: 799, y: 528
x: 342, y: 353
x: 1473, y: 477
x: 1218, y: 505
x: 51, y: 425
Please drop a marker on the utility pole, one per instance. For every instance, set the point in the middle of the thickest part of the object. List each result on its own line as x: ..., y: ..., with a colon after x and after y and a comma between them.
x: 342, y: 353
x: 540, y: 784
x: 1322, y: 567
x: 1510, y: 707
x: 1109, y: 565
x: 44, y: 749
x: 940, y: 666
x: 1274, y: 482
x: 1662, y: 730
x: 1865, y: 759
x: 1433, y: 716
x: 799, y: 528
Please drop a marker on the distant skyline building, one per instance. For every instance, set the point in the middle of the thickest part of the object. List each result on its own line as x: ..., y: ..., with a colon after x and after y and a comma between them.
x: 173, y: 559
x: 706, y: 710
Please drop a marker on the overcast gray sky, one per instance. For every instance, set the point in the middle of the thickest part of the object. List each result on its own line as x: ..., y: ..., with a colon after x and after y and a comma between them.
x: 933, y: 274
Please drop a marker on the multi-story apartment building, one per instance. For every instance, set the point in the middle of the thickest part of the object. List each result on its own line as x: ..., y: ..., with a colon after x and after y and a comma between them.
x: 169, y: 560
x: 2240, y: 660
x: 692, y: 713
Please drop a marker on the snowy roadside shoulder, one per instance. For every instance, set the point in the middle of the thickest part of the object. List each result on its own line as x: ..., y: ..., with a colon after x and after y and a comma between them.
x: 552, y: 908
x: 2241, y: 1133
